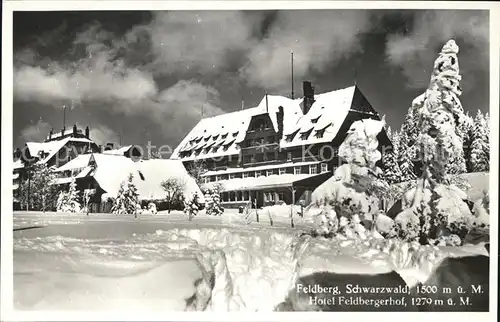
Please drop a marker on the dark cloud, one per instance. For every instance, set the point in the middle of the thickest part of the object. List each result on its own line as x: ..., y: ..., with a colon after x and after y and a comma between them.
x: 165, y: 68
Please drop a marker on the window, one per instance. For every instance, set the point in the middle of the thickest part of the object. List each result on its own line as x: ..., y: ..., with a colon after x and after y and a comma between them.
x: 289, y: 156
x: 281, y: 196
x: 246, y: 174
x: 313, y: 169
x: 232, y: 196
x: 239, y: 196
x: 246, y: 195
x: 319, y: 133
x: 271, y: 196
x: 269, y: 173
x: 206, y: 180
x: 258, y: 174
x: 232, y: 175
x: 252, y: 159
x: 282, y: 171
x: 296, y: 170
x: 270, y: 156
x: 218, y: 178
x: 324, y: 167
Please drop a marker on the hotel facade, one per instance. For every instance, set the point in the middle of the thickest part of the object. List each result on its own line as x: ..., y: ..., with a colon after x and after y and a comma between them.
x: 278, y: 151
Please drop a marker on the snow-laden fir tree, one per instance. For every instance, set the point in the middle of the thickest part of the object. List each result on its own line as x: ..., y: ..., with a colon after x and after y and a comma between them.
x: 69, y: 201
x: 127, y: 198
x: 392, y: 172
x: 405, y: 158
x: 407, y: 143
x: 192, y: 206
x: 467, y: 130
x: 39, y: 191
x: 438, y: 207
x: 487, y: 131
x: 213, y: 204
x: 479, y: 157
x: 352, y: 195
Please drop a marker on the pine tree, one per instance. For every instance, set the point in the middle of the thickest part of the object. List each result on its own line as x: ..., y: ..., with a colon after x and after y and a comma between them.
x: 43, y: 192
x: 479, y: 158
x: 127, y: 199
x: 213, y: 201
x: 392, y: 172
x: 466, y: 133
x: 192, y: 206
x: 69, y: 201
x: 404, y: 157
x: 437, y: 205
x: 487, y: 125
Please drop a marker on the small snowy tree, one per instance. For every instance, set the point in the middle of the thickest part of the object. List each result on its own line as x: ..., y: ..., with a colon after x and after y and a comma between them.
x: 213, y: 201
x: 174, y: 189
x: 192, y: 206
x: 127, y: 199
x: 479, y: 157
x: 69, y: 201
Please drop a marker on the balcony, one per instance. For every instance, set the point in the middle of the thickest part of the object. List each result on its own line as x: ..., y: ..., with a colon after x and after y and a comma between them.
x: 261, y: 148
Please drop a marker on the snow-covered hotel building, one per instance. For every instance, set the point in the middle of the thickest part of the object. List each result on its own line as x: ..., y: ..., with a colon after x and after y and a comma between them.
x: 279, y: 151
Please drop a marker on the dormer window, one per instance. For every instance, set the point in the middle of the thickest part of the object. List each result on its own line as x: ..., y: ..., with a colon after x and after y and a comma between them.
x: 223, y: 136
x: 320, y: 133
x: 305, y: 135
x: 315, y: 120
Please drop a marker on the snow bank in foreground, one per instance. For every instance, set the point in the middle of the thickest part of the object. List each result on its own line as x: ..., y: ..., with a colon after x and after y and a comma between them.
x: 150, y: 271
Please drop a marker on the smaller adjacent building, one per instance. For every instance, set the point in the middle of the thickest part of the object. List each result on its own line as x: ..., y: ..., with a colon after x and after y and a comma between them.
x: 56, y: 150
x: 105, y: 173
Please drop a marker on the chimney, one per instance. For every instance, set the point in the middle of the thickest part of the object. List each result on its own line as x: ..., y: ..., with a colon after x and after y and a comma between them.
x: 308, y: 97
x: 74, y: 130
x: 87, y: 132
x: 109, y: 146
x: 50, y: 134
x: 279, y: 119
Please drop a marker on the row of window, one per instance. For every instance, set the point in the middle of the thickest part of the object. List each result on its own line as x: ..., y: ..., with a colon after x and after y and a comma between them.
x: 233, y: 196
x: 313, y: 169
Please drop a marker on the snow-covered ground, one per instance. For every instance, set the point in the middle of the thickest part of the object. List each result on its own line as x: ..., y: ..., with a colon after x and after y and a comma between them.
x: 103, y: 262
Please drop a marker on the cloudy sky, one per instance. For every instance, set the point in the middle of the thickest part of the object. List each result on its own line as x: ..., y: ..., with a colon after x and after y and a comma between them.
x: 147, y: 76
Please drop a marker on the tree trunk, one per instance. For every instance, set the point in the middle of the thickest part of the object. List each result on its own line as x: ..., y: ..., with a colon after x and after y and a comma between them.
x: 169, y: 206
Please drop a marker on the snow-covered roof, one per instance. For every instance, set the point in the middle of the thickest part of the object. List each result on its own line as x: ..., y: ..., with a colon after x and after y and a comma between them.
x: 327, y: 113
x: 262, y: 182
x: 119, y: 151
x: 225, y: 131
x: 51, y: 147
x: 79, y: 162
x: 111, y: 170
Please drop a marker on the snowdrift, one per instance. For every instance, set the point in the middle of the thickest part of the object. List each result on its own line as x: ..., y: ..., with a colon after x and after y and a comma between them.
x: 253, y: 269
